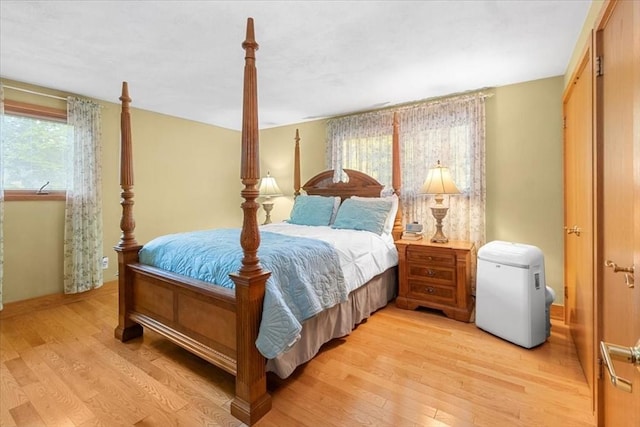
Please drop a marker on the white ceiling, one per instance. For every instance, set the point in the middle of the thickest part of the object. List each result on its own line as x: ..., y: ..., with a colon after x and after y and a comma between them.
x: 316, y: 58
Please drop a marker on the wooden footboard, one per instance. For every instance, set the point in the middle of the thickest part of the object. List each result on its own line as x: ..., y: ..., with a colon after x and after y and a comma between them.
x: 193, y: 314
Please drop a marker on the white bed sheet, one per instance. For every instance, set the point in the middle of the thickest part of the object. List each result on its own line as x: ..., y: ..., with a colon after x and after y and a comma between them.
x: 363, y: 255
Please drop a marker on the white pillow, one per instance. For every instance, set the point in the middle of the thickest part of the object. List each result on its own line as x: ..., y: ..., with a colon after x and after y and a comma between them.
x: 391, y: 216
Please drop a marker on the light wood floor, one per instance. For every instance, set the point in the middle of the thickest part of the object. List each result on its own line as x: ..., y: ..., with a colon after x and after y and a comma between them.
x: 61, y: 366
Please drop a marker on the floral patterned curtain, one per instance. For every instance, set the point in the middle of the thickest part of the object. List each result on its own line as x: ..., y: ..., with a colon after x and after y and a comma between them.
x: 1, y: 191
x: 451, y: 130
x: 83, y: 210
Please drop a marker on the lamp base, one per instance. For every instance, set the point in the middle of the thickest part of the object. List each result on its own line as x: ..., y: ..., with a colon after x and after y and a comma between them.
x: 439, y: 213
x: 267, y: 206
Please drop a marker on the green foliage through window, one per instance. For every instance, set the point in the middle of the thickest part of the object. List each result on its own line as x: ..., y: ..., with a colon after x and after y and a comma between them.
x: 35, y: 151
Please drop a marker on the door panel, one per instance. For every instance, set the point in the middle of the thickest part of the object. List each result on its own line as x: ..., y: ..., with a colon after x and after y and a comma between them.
x: 617, y: 105
x: 579, y: 242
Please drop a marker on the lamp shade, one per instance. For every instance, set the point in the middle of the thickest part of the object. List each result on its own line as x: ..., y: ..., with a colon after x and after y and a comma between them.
x: 439, y: 181
x: 269, y: 187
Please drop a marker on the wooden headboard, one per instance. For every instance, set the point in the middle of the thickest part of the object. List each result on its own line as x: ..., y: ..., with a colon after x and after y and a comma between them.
x: 359, y: 184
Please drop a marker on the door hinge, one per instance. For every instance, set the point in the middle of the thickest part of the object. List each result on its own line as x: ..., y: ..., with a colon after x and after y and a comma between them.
x: 600, y: 368
x: 564, y: 123
x: 599, y: 66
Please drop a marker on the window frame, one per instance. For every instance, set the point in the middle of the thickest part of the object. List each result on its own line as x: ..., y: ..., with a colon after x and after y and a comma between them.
x: 24, y: 109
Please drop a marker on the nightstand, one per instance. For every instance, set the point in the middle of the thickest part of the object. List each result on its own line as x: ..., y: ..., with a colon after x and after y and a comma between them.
x: 437, y: 275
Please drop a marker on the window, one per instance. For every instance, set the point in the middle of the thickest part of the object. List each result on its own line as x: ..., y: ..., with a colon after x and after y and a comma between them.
x: 449, y: 130
x: 37, y: 144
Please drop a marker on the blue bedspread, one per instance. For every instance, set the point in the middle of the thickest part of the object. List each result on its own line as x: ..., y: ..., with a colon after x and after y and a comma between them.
x: 306, y: 277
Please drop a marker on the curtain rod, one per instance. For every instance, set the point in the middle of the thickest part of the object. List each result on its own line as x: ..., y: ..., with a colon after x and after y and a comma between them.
x: 484, y: 93
x: 33, y: 92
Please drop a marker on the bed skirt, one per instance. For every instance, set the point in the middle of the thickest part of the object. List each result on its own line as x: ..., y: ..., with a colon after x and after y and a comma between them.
x: 336, y: 322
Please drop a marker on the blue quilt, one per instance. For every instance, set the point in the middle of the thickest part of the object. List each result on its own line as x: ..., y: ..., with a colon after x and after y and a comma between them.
x: 306, y: 277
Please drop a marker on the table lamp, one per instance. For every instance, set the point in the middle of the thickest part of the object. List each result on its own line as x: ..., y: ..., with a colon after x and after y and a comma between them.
x: 268, y: 189
x: 439, y: 182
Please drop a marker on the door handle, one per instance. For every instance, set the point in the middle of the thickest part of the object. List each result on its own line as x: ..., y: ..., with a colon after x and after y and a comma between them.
x: 628, y: 272
x: 612, y: 352
x: 574, y: 230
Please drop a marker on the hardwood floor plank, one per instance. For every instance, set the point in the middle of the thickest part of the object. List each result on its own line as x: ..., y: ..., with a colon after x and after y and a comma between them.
x: 114, y: 394
x: 306, y: 411
x: 6, y: 420
x: 98, y: 422
x: 26, y: 415
x: 55, y: 390
x: 45, y: 405
x: 205, y: 398
x: 21, y: 372
x: 7, y: 352
x: 11, y: 395
x: 216, y: 394
x: 351, y: 407
x: 66, y: 371
x: 11, y: 334
x: 136, y: 376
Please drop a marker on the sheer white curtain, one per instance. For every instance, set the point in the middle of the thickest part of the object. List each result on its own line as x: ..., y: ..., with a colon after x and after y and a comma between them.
x: 1, y: 191
x: 451, y: 130
x: 83, y: 210
x: 361, y: 142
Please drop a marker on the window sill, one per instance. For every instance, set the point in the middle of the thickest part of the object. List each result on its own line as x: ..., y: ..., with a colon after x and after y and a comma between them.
x: 30, y: 195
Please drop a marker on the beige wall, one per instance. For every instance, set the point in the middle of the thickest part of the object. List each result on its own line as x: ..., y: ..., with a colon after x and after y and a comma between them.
x: 277, y: 156
x: 524, y: 171
x: 187, y: 177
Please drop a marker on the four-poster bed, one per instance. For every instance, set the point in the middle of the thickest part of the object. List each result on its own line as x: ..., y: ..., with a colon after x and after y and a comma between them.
x: 220, y: 324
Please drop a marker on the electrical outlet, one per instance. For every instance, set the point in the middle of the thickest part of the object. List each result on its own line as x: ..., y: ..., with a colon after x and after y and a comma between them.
x: 105, y: 262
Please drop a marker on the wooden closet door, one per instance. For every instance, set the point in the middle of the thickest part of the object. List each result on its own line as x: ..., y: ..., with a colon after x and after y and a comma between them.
x: 579, y: 223
x: 618, y: 140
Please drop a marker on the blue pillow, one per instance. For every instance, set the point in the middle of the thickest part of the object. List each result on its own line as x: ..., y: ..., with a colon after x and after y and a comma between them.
x: 363, y: 215
x: 312, y: 210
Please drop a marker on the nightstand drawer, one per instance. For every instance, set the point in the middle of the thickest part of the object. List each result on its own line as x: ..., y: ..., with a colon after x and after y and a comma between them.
x: 429, y: 256
x: 431, y: 292
x: 436, y: 275
x: 439, y: 275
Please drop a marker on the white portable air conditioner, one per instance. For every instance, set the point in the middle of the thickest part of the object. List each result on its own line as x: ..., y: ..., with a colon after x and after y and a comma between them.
x: 511, y: 293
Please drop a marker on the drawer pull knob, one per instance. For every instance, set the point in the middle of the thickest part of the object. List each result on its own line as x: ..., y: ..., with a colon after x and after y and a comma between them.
x: 431, y: 273
x: 430, y: 290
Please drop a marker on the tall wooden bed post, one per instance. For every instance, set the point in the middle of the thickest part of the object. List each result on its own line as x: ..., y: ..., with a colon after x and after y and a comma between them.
x: 296, y: 166
x: 396, y: 177
x: 252, y: 400
x: 127, y: 247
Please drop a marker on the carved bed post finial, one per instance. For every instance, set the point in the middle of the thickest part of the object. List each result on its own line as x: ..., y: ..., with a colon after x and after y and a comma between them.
x: 127, y: 223
x: 296, y: 166
x: 251, y: 400
x: 396, y: 179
